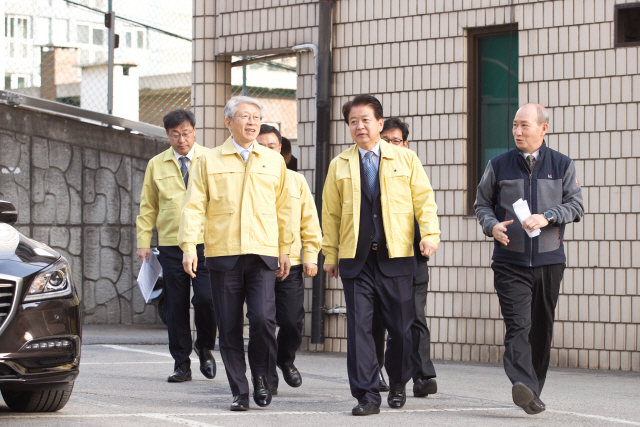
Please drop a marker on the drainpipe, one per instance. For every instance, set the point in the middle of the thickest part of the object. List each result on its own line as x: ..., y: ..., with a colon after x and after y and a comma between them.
x: 322, y: 54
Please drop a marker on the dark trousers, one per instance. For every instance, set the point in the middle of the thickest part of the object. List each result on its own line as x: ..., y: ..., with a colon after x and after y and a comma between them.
x: 394, y: 304
x: 252, y: 281
x: 289, y: 318
x: 177, y: 289
x: 528, y: 298
x: 421, y: 364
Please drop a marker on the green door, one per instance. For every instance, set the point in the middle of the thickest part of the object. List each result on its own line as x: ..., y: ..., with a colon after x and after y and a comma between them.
x: 498, y: 95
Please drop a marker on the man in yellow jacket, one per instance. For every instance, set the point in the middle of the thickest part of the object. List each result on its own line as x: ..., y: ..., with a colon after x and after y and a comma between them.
x: 307, y: 238
x: 241, y: 189
x: 163, y: 193
x: 370, y: 196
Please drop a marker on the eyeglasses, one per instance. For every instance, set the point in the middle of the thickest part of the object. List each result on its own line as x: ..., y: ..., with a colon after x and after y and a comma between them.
x: 394, y: 141
x: 246, y: 117
x: 177, y: 136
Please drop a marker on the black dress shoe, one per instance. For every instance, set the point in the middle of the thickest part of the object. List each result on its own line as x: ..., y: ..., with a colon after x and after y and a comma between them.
x: 291, y: 375
x: 365, y: 408
x: 526, y: 398
x: 535, y: 407
x: 207, y: 362
x: 261, y: 393
x: 240, y: 403
x: 383, y: 384
x: 181, y: 374
x: 397, y: 397
x: 425, y: 387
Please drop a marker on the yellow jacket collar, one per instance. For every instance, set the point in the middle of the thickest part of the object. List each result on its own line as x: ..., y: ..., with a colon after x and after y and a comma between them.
x: 229, y: 148
x: 168, y: 154
x: 386, y: 151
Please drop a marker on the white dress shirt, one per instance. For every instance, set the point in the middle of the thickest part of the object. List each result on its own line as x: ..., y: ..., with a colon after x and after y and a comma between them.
x: 376, y: 154
x: 189, y: 156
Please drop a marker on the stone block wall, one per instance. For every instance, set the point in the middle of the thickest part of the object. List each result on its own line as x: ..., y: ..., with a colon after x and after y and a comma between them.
x: 77, y: 189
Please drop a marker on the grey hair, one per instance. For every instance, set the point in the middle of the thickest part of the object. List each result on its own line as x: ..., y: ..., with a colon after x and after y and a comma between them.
x: 231, y: 108
x: 541, y: 112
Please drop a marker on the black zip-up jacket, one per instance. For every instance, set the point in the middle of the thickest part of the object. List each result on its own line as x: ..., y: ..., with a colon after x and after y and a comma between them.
x: 551, y: 186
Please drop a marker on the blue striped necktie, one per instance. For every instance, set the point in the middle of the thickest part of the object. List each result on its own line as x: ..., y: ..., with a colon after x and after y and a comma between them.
x: 184, y: 170
x: 371, y: 174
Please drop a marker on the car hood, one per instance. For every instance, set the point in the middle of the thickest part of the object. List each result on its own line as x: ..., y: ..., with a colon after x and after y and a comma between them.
x: 28, y: 257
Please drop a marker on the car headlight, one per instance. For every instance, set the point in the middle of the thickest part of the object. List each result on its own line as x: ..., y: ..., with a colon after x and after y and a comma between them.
x: 52, y: 282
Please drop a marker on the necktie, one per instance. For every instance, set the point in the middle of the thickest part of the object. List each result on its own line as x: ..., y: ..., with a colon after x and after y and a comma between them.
x: 371, y: 173
x: 532, y: 161
x: 245, y: 155
x: 184, y: 170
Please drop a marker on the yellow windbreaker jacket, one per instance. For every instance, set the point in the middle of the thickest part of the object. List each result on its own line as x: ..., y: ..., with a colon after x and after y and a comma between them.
x: 307, y: 236
x: 405, y: 191
x: 247, y: 207
x: 162, y: 198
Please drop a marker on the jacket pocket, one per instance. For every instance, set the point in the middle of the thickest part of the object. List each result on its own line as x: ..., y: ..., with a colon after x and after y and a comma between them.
x: 266, y: 230
x: 399, y: 191
x: 169, y: 187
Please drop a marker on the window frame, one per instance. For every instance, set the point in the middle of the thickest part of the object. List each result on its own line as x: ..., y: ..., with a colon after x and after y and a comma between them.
x: 473, y: 98
x: 617, y: 26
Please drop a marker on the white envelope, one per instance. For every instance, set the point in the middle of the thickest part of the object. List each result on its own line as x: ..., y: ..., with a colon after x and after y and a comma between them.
x: 148, y: 276
x: 521, y: 207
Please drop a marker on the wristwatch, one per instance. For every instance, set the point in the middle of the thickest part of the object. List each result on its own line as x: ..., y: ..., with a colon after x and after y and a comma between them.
x: 550, y: 217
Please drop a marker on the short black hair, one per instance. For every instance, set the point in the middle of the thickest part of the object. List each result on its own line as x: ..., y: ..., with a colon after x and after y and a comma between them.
x: 175, y: 118
x: 393, y: 123
x: 362, y: 100
x: 270, y: 129
x: 286, y: 146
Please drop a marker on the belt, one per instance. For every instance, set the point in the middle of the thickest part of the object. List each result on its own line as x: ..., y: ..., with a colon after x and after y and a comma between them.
x: 374, y: 246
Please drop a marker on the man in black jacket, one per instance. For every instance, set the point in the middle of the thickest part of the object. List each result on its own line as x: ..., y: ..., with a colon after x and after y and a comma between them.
x: 528, y: 270
x: 396, y: 132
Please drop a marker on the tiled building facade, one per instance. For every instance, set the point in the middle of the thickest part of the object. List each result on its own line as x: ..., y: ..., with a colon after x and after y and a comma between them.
x: 414, y: 56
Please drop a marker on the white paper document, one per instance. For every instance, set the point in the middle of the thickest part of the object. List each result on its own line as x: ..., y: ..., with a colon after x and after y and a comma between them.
x: 148, y: 276
x: 521, y: 207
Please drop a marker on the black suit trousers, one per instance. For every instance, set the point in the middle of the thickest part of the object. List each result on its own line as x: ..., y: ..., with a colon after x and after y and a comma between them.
x: 289, y: 318
x: 422, y: 366
x: 396, y: 311
x: 528, y: 298
x: 249, y: 280
x: 177, y: 289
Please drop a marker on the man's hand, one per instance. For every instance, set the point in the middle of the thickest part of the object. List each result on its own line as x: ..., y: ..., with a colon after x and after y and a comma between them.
x: 332, y: 269
x: 190, y: 264
x: 143, y: 254
x: 427, y: 248
x: 534, y: 222
x: 499, y: 232
x: 285, y: 266
x: 310, y: 269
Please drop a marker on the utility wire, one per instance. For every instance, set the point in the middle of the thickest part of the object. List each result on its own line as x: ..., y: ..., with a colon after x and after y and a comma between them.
x: 149, y: 27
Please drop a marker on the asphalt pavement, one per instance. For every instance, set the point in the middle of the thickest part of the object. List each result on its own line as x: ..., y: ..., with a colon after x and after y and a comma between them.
x: 123, y: 383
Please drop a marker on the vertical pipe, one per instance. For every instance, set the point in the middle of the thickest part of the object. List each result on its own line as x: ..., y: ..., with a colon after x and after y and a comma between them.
x: 323, y: 122
x: 110, y: 65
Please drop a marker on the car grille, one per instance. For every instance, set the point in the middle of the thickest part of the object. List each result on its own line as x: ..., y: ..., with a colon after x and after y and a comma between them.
x: 7, y: 292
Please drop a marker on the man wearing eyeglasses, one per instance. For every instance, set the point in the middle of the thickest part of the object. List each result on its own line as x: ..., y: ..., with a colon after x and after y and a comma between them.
x: 163, y: 192
x: 241, y: 189
x: 396, y: 132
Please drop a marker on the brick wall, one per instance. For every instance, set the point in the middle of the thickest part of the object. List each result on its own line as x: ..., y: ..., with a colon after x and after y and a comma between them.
x: 413, y: 56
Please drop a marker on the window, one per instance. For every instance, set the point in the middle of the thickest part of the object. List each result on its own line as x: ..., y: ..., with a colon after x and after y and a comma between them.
x: 493, y: 98
x: 626, y: 19
x: 16, y: 81
x: 140, y: 39
x: 98, y: 37
x: 127, y: 39
x: 82, y: 35
x: 18, y: 38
